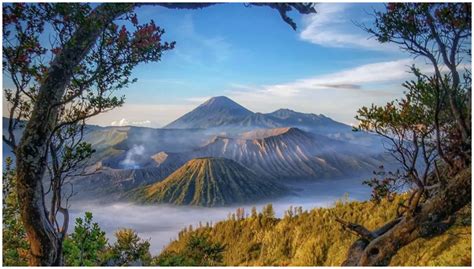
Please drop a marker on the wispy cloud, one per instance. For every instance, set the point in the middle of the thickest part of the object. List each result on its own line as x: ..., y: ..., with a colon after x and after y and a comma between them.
x: 357, y: 78
x: 144, y: 115
x: 331, y: 27
x: 337, y: 94
x: 198, y: 100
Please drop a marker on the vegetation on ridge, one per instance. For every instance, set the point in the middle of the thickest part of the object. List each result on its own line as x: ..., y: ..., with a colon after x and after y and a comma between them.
x: 209, y: 182
x: 314, y: 238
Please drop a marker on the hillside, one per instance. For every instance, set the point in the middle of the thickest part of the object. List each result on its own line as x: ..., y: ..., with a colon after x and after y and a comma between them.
x: 209, y: 182
x: 313, y: 238
x: 288, y: 153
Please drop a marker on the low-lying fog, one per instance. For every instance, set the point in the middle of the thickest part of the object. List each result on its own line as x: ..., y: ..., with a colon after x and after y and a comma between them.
x: 161, y: 223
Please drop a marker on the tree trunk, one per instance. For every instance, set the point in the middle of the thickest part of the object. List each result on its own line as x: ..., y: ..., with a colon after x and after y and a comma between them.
x: 429, y: 220
x: 31, y: 154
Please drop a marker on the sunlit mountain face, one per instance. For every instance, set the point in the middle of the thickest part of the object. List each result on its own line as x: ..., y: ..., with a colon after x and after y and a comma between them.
x: 210, y: 182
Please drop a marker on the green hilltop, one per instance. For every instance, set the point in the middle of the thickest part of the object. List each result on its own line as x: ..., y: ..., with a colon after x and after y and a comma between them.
x: 209, y: 182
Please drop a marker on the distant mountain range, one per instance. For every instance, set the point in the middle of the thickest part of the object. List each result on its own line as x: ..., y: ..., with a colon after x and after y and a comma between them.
x: 223, y: 114
x: 284, y: 153
x: 283, y: 145
x: 209, y: 182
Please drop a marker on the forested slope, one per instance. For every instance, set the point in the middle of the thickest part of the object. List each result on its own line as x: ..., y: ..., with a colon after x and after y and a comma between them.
x: 314, y: 238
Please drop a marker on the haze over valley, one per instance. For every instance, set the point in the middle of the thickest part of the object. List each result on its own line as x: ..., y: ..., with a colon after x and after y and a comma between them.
x: 284, y: 147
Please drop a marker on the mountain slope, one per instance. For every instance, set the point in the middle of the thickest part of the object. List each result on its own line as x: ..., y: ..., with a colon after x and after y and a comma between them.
x: 221, y: 114
x: 311, y: 238
x: 288, y: 117
x: 288, y: 153
x: 109, y: 184
x: 215, y: 112
x: 209, y: 182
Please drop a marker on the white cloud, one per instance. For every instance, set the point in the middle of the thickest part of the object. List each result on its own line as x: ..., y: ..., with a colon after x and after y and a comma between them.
x: 198, y: 100
x: 144, y: 115
x: 125, y: 122
x: 349, y: 79
x: 331, y: 27
x: 337, y: 95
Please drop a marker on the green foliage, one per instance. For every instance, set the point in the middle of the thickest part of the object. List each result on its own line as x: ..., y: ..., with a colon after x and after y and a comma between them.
x: 415, y: 127
x: 129, y: 250
x: 15, y: 247
x: 441, y: 34
x: 198, y: 251
x: 311, y: 238
x: 87, y: 246
x: 84, y: 246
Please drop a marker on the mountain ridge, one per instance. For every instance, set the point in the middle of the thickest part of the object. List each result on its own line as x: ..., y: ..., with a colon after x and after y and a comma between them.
x: 233, y: 114
x: 284, y: 153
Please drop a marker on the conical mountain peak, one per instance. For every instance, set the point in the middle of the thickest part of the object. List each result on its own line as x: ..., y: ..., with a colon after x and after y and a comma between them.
x: 215, y: 112
x: 222, y: 101
x: 210, y: 181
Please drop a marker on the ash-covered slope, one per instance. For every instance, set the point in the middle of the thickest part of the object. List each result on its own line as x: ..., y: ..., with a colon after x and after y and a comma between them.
x: 109, y: 184
x: 288, y: 153
x: 125, y: 159
x: 209, y: 182
x: 221, y: 114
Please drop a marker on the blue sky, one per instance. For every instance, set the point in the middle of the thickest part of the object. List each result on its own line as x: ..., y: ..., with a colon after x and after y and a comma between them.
x: 328, y: 66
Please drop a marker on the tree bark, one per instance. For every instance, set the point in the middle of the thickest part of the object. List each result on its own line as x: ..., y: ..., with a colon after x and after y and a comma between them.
x: 451, y: 64
x: 429, y: 220
x: 31, y: 154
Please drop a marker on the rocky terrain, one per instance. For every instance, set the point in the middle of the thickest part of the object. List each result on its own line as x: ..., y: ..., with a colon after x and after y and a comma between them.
x: 285, y: 153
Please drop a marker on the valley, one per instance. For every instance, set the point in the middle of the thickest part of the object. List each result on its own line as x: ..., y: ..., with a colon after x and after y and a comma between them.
x: 215, y: 159
x: 283, y: 147
x: 161, y: 223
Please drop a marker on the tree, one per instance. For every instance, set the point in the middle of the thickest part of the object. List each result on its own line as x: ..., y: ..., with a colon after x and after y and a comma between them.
x: 90, y: 58
x: 429, y: 137
x: 129, y: 250
x: 199, y: 251
x: 409, y: 127
x: 86, y: 244
x: 268, y: 212
x: 441, y: 34
x: 15, y: 244
x: 254, y: 213
x: 55, y: 143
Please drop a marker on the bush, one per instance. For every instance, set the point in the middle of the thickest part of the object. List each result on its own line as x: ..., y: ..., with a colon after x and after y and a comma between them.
x: 86, y: 245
